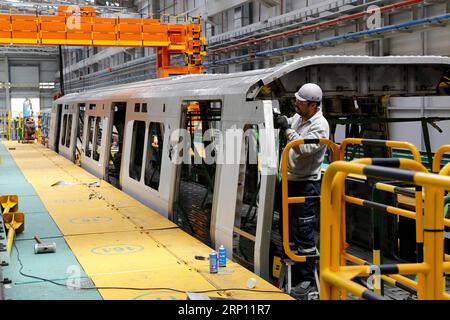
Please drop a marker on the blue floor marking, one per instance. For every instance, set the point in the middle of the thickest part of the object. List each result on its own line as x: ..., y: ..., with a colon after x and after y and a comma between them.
x: 53, y: 266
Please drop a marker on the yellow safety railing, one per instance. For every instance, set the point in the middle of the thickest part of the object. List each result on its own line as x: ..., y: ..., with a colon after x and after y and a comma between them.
x: 438, y: 157
x: 380, y: 143
x: 3, y: 122
x: 336, y: 277
x: 445, y: 171
x: 39, y: 129
x: 20, y: 131
x: 286, y: 200
x: 399, y: 281
x: 8, y: 132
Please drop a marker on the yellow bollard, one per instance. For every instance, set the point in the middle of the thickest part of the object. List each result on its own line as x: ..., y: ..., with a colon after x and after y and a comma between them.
x: 9, y: 203
x: 38, y: 129
x: 15, y: 223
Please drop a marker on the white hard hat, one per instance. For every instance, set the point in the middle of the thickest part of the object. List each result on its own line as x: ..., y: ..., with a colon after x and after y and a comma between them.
x: 309, y: 92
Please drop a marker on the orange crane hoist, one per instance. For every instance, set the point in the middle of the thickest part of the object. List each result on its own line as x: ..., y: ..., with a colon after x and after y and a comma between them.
x: 80, y: 26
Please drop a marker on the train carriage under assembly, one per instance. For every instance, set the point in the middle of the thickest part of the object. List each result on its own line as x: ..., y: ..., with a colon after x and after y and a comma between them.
x: 126, y: 135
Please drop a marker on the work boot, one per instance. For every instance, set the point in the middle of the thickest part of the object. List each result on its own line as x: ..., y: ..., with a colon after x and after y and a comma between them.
x: 305, y: 290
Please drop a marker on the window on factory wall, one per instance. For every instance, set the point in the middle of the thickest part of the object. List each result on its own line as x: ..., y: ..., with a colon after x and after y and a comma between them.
x: 63, y: 131
x: 243, y: 15
x: 237, y: 17
x: 91, y: 127
x: 98, y: 138
x: 154, y: 154
x: 69, y: 131
x: 137, y: 150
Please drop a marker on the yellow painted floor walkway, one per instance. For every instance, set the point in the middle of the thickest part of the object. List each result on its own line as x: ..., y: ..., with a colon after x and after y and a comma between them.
x: 121, y: 243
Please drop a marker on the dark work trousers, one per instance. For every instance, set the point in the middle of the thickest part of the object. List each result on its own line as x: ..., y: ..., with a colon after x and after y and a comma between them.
x: 302, y: 219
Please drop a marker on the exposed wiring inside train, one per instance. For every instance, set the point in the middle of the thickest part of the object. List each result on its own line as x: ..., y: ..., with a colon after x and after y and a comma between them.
x: 195, y: 189
x: 116, y: 146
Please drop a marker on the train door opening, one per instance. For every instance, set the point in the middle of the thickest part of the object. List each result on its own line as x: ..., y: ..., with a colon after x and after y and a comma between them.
x: 194, y: 193
x: 247, y: 199
x: 79, y: 141
x: 57, y: 127
x: 118, y: 112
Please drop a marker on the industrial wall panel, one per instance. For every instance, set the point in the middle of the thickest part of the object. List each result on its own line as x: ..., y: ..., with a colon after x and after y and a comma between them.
x: 437, y: 138
x: 46, y: 104
x: 25, y: 93
x: 327, y: 34
x: 353, y: 49
x: 49, y: 65
x: 438, y: 42
x: 298, y: 4
x: 436, y: 9
x: 407, y: 44
x: 346, y: 29
x: 405, y: 107
x: 402, y: 131
x: 400, y: 17
x: 47, y: 76
x: 216, y: 6
x: 25, y: 74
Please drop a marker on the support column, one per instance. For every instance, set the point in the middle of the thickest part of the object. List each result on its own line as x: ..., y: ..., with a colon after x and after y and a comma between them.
x: 385, y: 43
x: 7, y: 87
x: 61, y: 72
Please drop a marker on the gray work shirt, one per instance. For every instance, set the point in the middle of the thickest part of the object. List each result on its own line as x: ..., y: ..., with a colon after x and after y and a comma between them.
x: 305, y: 161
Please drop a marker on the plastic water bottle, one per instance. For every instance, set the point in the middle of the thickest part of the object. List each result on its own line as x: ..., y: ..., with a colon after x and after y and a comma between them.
x: 222, y: 256
x: 213, y: 263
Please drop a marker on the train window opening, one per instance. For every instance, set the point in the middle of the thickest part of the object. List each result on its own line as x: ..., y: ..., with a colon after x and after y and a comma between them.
x: 98, y: 139
x: 154, y: 154
x: 195, y: 190
x: 137, y: 150
x: 69, y: 131
x: 89, y: 142
x: 116, y: 142
x: 63, y: 131
x: 249, y: 182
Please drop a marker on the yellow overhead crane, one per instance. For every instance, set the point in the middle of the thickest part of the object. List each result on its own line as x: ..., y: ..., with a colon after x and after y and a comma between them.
x: 80, y: 26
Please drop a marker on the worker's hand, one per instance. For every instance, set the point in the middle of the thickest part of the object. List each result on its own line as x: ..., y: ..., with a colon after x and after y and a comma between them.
x: 282, y: 123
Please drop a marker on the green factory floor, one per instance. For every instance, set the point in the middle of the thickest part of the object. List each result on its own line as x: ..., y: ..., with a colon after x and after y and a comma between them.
x: 61, y: 267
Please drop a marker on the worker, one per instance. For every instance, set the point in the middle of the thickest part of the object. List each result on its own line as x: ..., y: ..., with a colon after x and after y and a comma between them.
x: 27, y: 110
x: 304, y: 173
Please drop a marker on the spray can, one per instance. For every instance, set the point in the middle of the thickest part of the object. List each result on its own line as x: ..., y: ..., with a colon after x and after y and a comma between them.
x: 213, y: 262
x: 222, y: 256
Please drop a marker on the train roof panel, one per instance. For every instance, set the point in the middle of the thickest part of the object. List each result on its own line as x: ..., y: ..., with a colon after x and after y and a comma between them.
x: 234, y: 83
